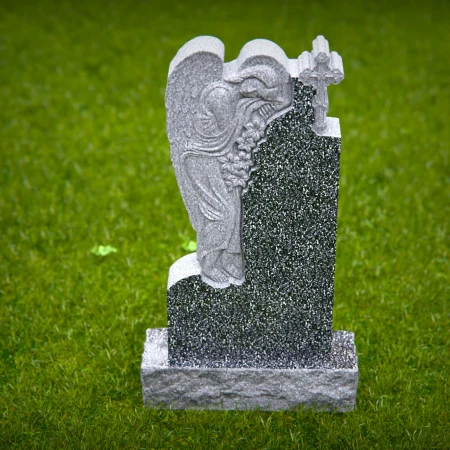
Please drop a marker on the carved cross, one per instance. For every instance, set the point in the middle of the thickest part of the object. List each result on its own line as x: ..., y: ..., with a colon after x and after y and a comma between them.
x: 319, y: 69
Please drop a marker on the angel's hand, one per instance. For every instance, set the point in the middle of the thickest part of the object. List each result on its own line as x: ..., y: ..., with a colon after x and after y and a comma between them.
x: 266, y: 111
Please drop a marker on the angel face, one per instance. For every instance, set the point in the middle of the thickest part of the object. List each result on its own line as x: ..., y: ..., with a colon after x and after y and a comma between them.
x: 255, y: 88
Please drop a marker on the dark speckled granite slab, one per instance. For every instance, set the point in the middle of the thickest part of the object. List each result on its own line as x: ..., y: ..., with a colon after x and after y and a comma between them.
x: 281, y: 316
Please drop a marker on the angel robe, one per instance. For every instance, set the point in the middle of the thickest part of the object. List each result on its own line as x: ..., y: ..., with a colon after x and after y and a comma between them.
x: 215, y: 210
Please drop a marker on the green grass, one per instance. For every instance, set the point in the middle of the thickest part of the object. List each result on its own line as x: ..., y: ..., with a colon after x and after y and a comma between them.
x: 84, y: 161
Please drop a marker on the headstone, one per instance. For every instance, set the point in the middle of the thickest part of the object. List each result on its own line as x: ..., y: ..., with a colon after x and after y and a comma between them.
x: 257, y: 163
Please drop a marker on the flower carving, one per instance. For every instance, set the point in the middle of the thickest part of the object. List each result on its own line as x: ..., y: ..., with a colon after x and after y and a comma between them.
x: 237, y: 164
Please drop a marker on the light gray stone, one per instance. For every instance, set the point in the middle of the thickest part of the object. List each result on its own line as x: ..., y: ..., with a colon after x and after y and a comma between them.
x: 325, y: 389
x: 319, y: 69
x: 185, y: 267
x: 216, y: 115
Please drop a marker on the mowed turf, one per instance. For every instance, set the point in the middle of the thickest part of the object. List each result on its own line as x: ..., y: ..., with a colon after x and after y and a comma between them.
x: 84, y: 161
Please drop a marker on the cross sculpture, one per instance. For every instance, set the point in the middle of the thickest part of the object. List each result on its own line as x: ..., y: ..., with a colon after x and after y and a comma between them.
x: 319, y: 69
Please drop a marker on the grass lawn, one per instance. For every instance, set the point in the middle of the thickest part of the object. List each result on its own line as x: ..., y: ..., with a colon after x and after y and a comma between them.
x: 84, y: 161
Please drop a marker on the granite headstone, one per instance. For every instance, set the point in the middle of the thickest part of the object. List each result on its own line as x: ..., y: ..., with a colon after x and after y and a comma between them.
x: 257, y: 163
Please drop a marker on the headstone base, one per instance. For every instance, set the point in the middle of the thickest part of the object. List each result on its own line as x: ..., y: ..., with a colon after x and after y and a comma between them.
x: 325, y: 389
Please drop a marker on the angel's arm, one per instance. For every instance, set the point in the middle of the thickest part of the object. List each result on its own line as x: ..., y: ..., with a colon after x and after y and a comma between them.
x: 220, y: 104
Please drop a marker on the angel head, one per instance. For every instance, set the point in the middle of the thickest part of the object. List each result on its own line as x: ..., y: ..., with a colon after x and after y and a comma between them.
x: 265, y: 78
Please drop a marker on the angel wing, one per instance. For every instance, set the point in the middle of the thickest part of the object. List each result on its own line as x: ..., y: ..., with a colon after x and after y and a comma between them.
x: 197, y: 64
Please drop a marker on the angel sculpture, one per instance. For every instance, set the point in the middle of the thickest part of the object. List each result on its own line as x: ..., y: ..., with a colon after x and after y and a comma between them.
x: 216, y: 115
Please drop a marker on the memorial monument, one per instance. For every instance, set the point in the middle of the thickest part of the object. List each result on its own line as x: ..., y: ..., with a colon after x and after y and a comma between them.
x: 257, y: 162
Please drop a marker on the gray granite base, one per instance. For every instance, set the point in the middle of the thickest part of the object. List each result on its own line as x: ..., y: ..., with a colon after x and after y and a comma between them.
x: 332, y: 388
